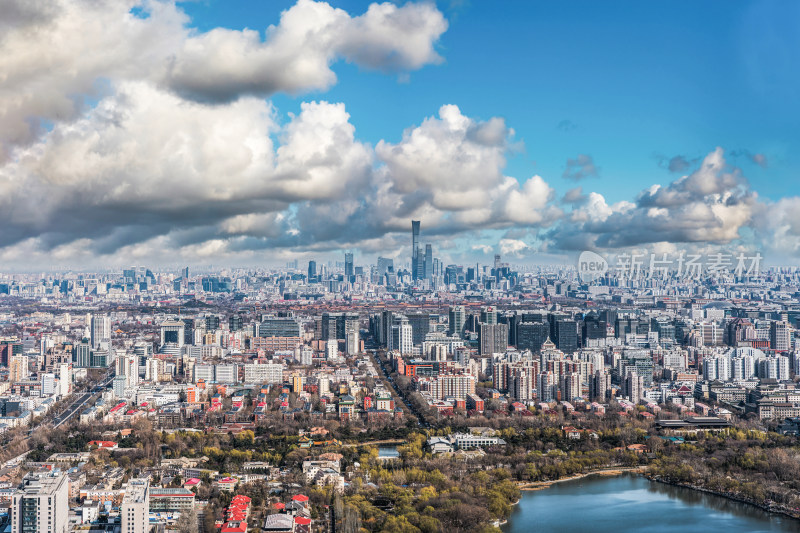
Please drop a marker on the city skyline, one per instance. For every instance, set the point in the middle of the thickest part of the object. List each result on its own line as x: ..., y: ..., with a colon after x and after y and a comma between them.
x: 132, y: 157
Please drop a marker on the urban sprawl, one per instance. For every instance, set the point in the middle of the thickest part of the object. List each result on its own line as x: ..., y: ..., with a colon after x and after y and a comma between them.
x: 405, y: 395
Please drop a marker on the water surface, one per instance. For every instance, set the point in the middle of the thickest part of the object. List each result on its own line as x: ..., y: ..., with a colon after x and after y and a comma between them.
x: 631, y: 503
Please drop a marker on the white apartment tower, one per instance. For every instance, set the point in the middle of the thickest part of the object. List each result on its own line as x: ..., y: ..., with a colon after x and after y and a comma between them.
x: 41, y: 504
x: 135, y: 507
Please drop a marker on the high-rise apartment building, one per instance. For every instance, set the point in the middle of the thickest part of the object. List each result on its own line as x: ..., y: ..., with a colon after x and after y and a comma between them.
x: 493, y: 338
x: 18, y: 368
x: 135, y: 509
x: 41, y: 504
x: 634, y: 386
x: 402, y: 336
x: 780, y: 336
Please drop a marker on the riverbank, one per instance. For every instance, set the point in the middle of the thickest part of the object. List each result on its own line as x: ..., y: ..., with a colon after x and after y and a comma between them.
x: 609, y: 472
x: 769, y: 508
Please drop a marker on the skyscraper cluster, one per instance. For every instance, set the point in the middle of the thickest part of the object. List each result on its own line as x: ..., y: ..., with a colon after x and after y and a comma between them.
x: 423, y: 265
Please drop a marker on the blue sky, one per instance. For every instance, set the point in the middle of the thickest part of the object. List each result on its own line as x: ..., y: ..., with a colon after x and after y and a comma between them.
x: 150, y: 131
x: 636, y: 80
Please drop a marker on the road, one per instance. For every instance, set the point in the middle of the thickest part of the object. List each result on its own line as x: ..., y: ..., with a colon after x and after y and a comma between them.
x: 81, y: 401
x: 68, y: 413
x: 397, y: 393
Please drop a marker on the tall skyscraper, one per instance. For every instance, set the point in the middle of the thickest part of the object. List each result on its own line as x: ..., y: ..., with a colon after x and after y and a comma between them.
x: 312, y: 270
x: 415, y: 259
x: 101, y: 331
x: 385, y: 264
x: 428, y: 266
x: 348, y: 265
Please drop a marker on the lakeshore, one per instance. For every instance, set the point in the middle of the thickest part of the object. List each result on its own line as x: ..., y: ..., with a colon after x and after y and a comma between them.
x: 606, y: 472
x: 642, y: 470
x: 647, y: 505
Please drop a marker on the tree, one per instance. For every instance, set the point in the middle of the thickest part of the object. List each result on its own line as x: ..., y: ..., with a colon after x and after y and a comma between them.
x: 187, y: 523
x: 352, y: 520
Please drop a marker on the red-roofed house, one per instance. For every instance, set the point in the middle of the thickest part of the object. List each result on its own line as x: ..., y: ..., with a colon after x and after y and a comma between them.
x: 302, y: 524
x: 234, y: 527
x: 105, y: 444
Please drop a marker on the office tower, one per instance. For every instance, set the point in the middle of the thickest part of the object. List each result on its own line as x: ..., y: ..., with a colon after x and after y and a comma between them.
x: 348, y: 265
x: 188, y: 330
x: 172, y: 331
x: 387, y: 320
x: 420, y: 326
x: 385, y: 264
x: 489, y: 315
x: 624, y: 326
x: 279, y: 327
x: 41, y: 504
x: 531, y: 335
x: 347, y: 323
x: 135, y: 508
x: 127, y: 366
x: 326, y: 326
x: 456, y: 318
x: 100, y: 331
x: 566, y: 336
x: 235, y: 322
x: 212, y: 322
x: 185, y: 273
x: 493, y: 338
x: 83, y: 355
x: 9, y: 348
x: 312, y: 270
x: 593, y: 328
x: 428, y: 266
x: 118, y: 386
x: 415, y: 259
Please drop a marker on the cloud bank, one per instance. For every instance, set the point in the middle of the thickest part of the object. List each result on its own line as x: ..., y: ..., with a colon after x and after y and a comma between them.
x: 129, y: 136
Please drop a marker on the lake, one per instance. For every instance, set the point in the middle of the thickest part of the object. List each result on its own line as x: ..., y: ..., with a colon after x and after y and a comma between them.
x: 388, y: 452
x: 631, y: 503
